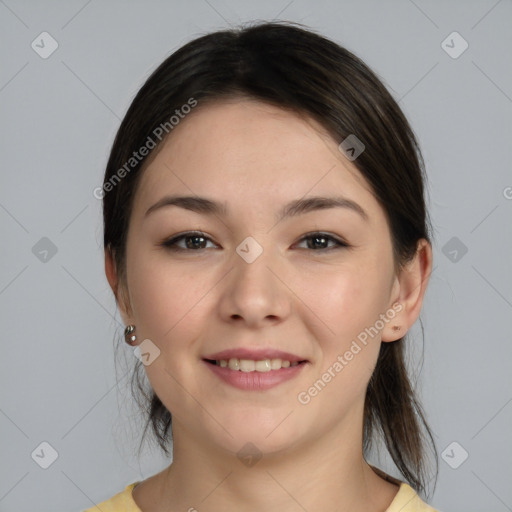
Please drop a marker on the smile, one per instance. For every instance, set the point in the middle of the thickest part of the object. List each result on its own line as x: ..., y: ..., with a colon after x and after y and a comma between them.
x: 254, y: 375
x: 250, y: 365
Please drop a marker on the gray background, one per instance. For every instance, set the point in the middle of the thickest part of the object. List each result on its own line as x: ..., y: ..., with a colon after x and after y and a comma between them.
x: 59, y: 323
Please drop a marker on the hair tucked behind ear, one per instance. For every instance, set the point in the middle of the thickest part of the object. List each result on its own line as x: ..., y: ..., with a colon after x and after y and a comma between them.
x: 296, y: 69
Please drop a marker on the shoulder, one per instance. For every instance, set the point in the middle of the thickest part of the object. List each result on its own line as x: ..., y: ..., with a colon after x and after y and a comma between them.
x: 121, y: 502
x: 406, y: 500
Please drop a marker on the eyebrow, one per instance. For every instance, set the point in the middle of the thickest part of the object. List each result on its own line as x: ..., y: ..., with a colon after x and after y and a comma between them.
x: 207, y: 206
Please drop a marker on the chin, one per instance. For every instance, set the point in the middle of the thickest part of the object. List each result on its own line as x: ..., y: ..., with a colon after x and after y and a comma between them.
x: 262, y: 432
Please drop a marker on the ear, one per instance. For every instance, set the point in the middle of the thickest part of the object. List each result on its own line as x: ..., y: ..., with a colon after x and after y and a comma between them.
x: 408, y: 292
x: 117, y: 287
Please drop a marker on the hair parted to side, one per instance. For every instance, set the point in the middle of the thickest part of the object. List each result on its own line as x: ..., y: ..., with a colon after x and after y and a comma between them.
x: 294, y: 68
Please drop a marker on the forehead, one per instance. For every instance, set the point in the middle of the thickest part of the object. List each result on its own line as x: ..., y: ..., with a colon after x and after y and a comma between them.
x: 246, y: 151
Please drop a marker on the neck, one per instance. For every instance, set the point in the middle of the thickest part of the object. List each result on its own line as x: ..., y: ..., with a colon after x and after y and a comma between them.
x: 327, y: 474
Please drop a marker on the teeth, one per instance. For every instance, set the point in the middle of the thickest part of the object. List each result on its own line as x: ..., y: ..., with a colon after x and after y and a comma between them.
x: 234, y: 364
x: 248, y: 365
x: 263, y: 366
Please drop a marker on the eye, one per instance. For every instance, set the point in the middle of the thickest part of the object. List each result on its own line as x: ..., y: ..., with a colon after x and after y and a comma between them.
x: 194, y: 240
x: 320, y: 241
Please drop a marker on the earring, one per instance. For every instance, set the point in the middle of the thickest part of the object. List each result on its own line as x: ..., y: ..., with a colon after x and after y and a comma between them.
x: 129, y: 337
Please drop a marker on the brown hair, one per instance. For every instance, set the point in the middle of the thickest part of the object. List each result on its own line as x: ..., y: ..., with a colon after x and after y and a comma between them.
x: 294, y: 68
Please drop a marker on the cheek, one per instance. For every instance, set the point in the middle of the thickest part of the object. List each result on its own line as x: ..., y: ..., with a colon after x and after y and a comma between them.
x: 348, y: 300
x: 169, y: 310
x: 166, y: 298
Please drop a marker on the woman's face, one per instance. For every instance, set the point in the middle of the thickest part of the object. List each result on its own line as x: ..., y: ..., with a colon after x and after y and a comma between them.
x: 253, y: 280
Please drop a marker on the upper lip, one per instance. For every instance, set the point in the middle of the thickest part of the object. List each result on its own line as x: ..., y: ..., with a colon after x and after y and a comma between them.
x: 254, y: 354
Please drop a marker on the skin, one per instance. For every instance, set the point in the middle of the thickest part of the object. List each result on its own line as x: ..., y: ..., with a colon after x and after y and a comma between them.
x: 312, y: 302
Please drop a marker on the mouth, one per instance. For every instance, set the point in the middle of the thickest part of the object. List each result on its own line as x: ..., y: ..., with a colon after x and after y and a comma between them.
x: 255, y: 374
x: 251, y: 365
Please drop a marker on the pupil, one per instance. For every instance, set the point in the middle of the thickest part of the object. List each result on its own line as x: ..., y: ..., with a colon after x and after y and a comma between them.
x: 195, y: 238
x: 316, y: 239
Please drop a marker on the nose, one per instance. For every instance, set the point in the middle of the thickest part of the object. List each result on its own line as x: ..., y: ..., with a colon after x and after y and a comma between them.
x: 255, y: 294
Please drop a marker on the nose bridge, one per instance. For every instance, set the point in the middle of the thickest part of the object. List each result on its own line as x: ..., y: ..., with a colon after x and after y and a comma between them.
x: 252, y: 262
x: 253, y: 291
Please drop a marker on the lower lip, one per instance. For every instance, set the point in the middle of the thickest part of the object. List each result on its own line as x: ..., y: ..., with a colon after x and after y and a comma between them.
x: 255, y: 381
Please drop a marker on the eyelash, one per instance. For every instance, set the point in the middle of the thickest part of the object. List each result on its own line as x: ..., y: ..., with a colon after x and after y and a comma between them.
x: 171, y: 244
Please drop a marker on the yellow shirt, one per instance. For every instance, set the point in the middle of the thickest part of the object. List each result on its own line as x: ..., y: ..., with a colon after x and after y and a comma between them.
x: 406, y: 500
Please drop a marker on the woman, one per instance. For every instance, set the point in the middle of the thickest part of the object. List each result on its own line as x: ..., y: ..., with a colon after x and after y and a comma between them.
x: 267, y: 242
